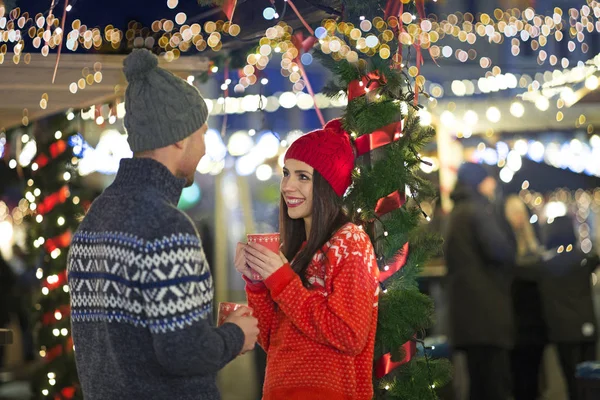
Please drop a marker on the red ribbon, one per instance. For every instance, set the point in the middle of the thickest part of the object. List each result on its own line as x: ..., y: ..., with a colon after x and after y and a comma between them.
x: 61, y: 280
x: 396, y: 265
x: 58, y: 350
x: 385, y: 364
x: 385, y: 205
x: 371, y: 81
x: 389, y: 203
x: 229, y: 8
x: 49, y: 318
x: 62, y: 28
x: 68, y: 392
x: 303, y: 45
x: 308, y: 28
x: 41, y: 160
x: 53, y: 353
x: 392, y: 7
x: 382, y: 136
x: 58, y: 242
x: 56, y: 149
x: 52, y: 200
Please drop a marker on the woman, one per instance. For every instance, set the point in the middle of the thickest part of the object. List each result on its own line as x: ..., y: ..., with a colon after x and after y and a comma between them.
x: 318, y: 314
x: 526, y: 357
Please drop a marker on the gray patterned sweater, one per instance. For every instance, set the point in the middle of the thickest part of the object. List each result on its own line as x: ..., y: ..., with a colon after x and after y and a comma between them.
x: 141, y: 294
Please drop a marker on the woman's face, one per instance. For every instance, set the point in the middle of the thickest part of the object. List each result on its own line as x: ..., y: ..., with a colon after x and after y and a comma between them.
x: 297, y: 188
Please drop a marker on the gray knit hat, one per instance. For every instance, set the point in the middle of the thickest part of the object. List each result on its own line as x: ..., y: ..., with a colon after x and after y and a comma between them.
x: 161, y: 109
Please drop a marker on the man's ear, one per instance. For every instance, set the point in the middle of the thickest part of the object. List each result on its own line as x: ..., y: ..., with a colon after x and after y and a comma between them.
x: 181, y: 144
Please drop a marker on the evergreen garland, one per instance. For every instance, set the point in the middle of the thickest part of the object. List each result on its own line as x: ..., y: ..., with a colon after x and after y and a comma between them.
x: 404, y: 312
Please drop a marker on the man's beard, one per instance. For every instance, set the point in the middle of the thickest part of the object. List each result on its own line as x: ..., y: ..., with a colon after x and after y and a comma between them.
x: 189, y: 180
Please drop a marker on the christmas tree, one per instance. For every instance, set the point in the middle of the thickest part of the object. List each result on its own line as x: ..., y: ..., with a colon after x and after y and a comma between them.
x: 382, y: 115
x: 58, y: 203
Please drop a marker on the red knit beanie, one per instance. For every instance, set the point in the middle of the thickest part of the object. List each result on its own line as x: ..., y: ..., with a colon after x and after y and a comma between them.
x: 329, y: 152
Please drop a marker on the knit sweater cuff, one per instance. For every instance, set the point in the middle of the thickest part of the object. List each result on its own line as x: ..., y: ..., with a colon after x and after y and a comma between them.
x: 234, y: 336
x: 254, y: 286
x: 280, y: 279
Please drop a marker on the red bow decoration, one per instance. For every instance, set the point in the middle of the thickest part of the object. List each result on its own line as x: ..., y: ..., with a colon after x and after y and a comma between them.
x: 58, y: 242
x: 385, y: 364
x: 371, y: 81
x: 378, y: 138
x: 52, y: 200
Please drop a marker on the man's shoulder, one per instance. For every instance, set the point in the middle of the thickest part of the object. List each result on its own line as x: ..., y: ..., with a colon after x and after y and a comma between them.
x: 146, y: 216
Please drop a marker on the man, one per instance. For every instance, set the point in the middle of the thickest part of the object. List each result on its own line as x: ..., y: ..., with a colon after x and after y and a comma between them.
x: 478, y: 255
x: 141, y: 289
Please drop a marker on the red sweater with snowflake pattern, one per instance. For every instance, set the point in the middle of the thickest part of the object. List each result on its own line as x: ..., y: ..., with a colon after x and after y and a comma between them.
x: 320, y: 340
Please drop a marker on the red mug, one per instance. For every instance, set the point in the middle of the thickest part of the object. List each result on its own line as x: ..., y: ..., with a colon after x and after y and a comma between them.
x: 226, y: 308
x: 270, y: 240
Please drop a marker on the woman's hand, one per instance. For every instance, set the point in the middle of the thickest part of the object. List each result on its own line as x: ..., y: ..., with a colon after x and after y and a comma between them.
x: 263, y: 260
x: 241, y: 263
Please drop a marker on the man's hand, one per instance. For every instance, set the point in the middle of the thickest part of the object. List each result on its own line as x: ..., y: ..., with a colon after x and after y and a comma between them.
x: 248, y: 324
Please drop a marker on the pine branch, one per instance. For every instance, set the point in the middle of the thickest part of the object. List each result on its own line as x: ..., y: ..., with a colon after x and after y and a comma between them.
x: 406, y: 311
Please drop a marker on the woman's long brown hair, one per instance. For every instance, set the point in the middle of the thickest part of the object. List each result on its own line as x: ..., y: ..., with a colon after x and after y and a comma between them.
x: 327, y: 218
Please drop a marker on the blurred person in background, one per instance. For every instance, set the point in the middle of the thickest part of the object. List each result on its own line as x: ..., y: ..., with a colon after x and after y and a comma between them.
x: 24, y: 286
x: 566, y: 292
x: 479, y: 256
x: 8, y: 281
x: 530, y: 326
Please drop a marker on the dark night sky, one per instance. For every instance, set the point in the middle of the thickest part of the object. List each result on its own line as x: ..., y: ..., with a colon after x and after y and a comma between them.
x: 116, y: 12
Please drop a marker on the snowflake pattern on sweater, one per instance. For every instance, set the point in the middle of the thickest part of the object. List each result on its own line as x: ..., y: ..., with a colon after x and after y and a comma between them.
x: 320, y: 340
x: 158, y: 284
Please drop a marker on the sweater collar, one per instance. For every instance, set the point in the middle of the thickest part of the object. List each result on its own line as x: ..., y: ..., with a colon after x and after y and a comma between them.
x: 143, y: 173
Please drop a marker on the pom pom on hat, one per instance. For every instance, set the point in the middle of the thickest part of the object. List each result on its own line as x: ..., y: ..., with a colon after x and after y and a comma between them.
x: 138, y: 64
